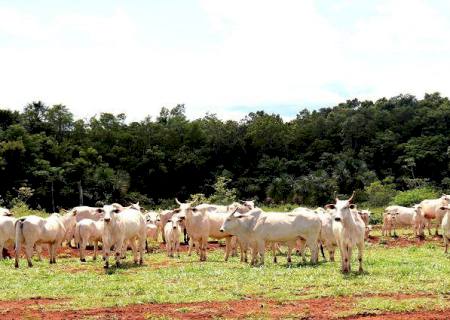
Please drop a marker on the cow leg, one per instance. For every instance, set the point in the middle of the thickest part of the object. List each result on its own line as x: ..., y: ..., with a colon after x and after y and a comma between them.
x: 118, y: 251
x: 274, y: 252
x: 177, y: 247
x: 29, y: 254
x: 261, y: 250
x: 204, y: 248
x: 227, y: 247
x: 134, y: 250
x: 1, y: 251
x: 95, y: 250
x: 83, y: 250
x: 331, y: 252
x: 191, y: 244
x: 349, y: 258
x: 360, y: 256
x: 141, y: 248
x: 445, y: 243
x: 106, y: 253
x: 312, y: 244
x: 50, y: 252
x: 289, y: 253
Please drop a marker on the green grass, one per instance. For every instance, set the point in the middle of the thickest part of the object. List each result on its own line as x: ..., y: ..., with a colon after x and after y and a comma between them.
x: 408, y: 270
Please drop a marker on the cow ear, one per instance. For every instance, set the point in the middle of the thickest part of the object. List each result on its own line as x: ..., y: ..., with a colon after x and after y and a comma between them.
x: 330, y: 206
x: 74, y: 212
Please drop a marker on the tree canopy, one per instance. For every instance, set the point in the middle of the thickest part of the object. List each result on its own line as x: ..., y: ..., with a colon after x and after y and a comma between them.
x: 67, y: 161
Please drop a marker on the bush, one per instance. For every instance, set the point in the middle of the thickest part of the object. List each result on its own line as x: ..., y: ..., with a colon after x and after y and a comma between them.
x: 20, y: 209
x: 411, y: 197
x: 379, y: 193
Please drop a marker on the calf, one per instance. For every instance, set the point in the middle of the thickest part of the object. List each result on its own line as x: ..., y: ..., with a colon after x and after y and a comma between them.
x: 34, y: 230
x: 86, y: 231
x: 172, y: 232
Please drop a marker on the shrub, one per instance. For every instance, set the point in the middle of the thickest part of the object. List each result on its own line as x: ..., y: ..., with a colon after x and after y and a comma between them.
x: 379, y: 193
x: 411, y: 197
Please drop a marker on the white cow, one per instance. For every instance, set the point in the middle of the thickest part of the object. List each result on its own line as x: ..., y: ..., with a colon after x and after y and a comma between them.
x: 446, y: 227
x: 258, y: 228
x: 403, y: 217
x: 197, y: 226
x: 430, y: 210
x: 349, y: 231
x: 88, y: 231
x: 7, y: 232
x: 122, y: 228
x: 172, y: 232
x: 34, y: 230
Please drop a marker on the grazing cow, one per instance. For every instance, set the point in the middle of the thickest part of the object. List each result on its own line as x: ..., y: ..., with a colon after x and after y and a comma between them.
x: 34, y: 230
x: 172, y: 232
x: 7, y: 233
x: 5, y: 212
x: 121, y: 228
x: 349, y: 231
x: 87, y: 231
x: 446, y: 227
x: 430, y: 209
x: 258, y: 228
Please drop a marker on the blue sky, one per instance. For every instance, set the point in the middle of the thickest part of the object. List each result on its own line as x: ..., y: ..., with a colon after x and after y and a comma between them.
x: 225, y: 57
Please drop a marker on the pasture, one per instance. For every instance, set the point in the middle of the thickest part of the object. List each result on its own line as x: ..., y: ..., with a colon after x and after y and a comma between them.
x: 403, y: 277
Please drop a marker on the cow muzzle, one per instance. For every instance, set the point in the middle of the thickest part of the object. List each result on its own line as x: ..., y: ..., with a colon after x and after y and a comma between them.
x: 107, y: 219
x: 221, y: 230
x: 338, y: 219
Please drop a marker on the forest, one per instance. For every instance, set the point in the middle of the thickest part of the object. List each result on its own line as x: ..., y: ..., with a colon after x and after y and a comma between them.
x: 50, y: 160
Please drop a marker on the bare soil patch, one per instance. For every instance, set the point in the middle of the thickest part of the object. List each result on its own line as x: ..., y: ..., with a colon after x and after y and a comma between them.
x: 323, y: 308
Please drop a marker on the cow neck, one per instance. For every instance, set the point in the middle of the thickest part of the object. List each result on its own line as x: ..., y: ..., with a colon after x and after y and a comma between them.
x: 65, y: 219
x: 348, y: 219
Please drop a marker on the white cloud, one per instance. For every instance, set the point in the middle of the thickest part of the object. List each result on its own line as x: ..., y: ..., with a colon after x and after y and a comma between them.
x: 267, y: 53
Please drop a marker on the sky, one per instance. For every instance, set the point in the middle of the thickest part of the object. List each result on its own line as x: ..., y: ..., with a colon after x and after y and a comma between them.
x: 227, y: 57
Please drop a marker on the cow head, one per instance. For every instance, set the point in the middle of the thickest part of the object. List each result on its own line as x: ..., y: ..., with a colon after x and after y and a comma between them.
x: 342, y: 208
x: 110, y: 213
x: 175, y: 221
x: 231, y: 222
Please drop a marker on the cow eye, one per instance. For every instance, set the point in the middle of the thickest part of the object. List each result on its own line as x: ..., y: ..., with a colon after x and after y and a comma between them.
x: 116, y: 211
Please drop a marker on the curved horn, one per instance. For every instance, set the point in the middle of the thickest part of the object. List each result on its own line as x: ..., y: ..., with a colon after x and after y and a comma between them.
x: 335, y: 196
x: 176, y: 200
x: 353, y: 195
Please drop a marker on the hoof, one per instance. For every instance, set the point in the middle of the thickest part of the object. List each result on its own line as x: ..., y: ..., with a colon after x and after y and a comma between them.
x: 30, y: 265
x: 117, y: 264
x: 83, y: 260
x: 141, y: 262
x: 94, y: 258
x: 16, y: 265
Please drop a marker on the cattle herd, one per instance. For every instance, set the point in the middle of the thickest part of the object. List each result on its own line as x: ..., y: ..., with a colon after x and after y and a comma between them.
x: 240, y: 224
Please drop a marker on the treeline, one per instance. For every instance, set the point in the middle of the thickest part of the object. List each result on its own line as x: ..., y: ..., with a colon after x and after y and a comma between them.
x: 49, y: 159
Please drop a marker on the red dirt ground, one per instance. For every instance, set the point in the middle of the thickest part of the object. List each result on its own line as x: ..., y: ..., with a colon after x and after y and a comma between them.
x: 324, y: 308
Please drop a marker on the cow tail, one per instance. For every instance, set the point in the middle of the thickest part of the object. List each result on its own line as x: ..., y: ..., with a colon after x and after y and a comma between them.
x: 19, y: 239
